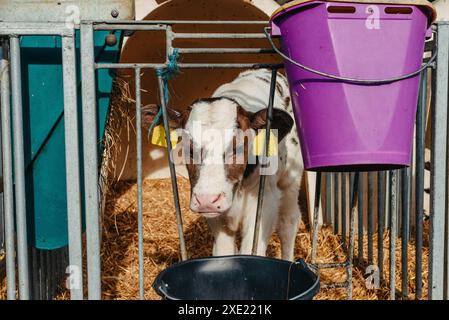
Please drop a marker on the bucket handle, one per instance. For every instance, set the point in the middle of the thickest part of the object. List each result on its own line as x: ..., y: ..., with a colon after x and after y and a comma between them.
x: 267, y: 31
x: 160, y: 290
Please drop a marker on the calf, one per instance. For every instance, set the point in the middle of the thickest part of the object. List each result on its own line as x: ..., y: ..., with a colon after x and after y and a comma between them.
x: 224, y: 177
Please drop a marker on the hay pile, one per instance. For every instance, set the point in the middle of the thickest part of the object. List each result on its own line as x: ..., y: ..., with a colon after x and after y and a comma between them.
x: 119, y: 253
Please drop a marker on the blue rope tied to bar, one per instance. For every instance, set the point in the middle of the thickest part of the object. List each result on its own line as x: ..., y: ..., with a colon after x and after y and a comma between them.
x: 166, y: 74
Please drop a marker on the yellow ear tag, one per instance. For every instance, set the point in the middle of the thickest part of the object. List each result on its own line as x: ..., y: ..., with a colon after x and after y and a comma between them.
x: 158, y: 137
x: 259, y: 143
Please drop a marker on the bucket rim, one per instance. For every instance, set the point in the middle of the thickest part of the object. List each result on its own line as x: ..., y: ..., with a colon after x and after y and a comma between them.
x: 314, y: 288
x: 432, y: 12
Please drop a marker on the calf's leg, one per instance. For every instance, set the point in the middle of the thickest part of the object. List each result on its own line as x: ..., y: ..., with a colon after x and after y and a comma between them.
x: 267, y: 224
x: 224, y: 239
x: 288, y: 223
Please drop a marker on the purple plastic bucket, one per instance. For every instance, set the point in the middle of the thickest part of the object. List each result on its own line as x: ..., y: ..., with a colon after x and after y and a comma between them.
x: 345, y: 126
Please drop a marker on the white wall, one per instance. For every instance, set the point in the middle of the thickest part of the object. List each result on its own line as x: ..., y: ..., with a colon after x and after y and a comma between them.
x: 442, y: 10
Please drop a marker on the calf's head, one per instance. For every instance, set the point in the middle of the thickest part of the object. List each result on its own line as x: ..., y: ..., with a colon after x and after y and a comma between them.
x: 216, y: 145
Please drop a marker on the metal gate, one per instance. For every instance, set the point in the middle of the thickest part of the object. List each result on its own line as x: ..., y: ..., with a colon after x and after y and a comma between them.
x: 395, y: 186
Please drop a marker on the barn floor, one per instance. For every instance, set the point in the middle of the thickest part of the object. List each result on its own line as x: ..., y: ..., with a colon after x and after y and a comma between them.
x: 119, y: 248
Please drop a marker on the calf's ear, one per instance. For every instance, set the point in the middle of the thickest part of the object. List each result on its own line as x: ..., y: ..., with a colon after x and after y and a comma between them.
x: 282, y: 121
x: 149, y: 113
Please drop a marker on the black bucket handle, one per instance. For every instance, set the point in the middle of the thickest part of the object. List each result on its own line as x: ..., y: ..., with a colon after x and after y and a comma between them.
x: 267, y: 31
x: 158, y: 286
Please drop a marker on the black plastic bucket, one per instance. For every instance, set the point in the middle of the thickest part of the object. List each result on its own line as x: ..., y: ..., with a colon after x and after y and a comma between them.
x: 237, y: 278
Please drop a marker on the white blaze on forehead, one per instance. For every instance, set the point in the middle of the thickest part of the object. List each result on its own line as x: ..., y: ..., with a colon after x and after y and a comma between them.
x: 219, y: 114
x: 209, y: 124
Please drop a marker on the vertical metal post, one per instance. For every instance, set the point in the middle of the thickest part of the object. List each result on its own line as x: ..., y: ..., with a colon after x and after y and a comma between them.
x: 328, y: 183
x: 8, y: 194
x: 171, y: 165
x: 48, y: 275
x: 354, y: 204
x: 380, y: 223
x: 329, y: 204
x: 90, y: 144
x: 72, y: 165
x: 393, y: 231
x: 439, y: 166
x: 19, y: 169
x: 370, y: 217
x: 360, y: 220
x: 343, y: 207
x: 336, y: 207
x: 260, y: 196
x: 35, y: 294
x: 316, y: 210
x: 419, y: 182
x: 139, y: 182
x: 53, y: 273
x: 405, y: 210
x: 351, y: 185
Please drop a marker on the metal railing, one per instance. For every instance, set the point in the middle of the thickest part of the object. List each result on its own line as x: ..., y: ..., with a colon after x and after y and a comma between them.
x: 395, y: 187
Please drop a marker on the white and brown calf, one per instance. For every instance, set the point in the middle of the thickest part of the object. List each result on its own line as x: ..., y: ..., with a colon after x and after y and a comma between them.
x: 225, y: 190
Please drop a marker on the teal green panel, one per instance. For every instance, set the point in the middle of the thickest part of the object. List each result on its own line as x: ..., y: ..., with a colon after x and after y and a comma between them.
x: 44, y: 131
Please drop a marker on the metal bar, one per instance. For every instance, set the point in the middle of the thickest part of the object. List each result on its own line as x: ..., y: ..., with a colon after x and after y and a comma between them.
x: 90, y: 153
x: 387, y: 201
x: 58, y: 266
x: 171, y: 165
x: 54, y: 273
x: 72, y: 165
x: 260, y: 197
x: 2, y: 214
x: 224, y: 50
x: 48, y: 275
x: 331, y: 265
x: 129, y: 65
x: 393, y: 231
x: 123, y: 26
x: 35, y: 275
x: 139, y: 182
x: 328, y: 195
x: 336, y: 207
x: 405, y: 210
x: 8, y: 193
x: 316, y: 210
x: 354, y: 205
x: 360, y: 220
x: 188, y: 65
x: 380, y: 223
x: 218, y: 35
x: 351, y: 186
x: 343, y: 207
x: 113, y: 23
x: 370, y: 217
x: 419, y: 183
x: 40, y: 259
x: 168, y: 44
x: 439, y: 166
x: 34, y: 28
x: 19, y: 170
x: 230, y: 65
